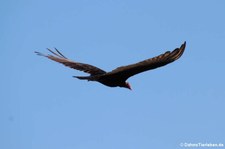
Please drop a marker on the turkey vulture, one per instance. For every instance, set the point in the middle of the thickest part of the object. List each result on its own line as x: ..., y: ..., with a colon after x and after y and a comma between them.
x: 118, y: 76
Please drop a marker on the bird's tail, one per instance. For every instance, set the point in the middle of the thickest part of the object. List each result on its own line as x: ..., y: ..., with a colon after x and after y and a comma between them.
x: 82, y: 77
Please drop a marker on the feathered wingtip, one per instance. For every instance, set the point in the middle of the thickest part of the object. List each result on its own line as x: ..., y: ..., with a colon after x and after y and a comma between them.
x: 39, y: 53
x: 57, y: 53
x: 177, y: 53
x: 183, y: 45
x: 182, y: 48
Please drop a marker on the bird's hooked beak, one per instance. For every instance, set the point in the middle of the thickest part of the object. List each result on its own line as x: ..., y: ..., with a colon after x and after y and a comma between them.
x: 128, y: 86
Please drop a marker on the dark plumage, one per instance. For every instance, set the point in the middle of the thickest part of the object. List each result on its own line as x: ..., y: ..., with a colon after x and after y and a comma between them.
x: 118, y: 76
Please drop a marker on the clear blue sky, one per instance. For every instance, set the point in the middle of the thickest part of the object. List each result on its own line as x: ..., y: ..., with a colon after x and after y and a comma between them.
x: 43, y: 107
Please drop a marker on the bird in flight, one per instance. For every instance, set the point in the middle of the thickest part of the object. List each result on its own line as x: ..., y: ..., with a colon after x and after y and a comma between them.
x: 118, y: 76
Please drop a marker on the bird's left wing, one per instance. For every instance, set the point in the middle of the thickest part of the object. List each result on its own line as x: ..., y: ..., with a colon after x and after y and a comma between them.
x: 59, y: 57
x: 125, y: 72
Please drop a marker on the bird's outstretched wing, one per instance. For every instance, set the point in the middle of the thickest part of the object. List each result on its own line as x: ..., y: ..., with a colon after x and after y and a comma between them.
x: 124, y: 72
x: 59, y: 57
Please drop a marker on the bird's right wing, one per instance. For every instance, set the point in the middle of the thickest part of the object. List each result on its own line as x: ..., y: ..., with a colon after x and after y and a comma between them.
x: 59, y: 57
x: 125, y: 72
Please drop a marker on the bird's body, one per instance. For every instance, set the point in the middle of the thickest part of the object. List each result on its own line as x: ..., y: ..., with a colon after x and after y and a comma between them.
x: 104, y: 79
x: 118, y: 76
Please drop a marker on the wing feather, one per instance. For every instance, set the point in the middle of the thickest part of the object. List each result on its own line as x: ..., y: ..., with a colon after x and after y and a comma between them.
x: 124, y: 72
x: 60, y: 58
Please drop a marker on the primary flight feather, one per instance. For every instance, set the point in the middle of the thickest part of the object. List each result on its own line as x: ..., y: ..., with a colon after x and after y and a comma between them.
x: 118, y: 76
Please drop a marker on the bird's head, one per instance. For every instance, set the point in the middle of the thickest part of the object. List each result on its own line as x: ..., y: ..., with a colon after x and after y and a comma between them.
x: 127, y: 85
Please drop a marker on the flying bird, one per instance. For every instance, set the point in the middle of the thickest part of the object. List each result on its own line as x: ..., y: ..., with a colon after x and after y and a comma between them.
x: 118, y: 76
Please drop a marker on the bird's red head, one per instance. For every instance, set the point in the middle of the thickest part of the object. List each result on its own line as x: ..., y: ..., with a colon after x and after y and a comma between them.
x: 128, y: 86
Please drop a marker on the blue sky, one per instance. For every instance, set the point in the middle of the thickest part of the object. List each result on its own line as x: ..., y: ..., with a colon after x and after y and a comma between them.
x: 42, y: 106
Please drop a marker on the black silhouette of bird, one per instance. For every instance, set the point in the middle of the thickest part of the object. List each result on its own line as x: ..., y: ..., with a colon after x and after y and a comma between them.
x: 118, y: 76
